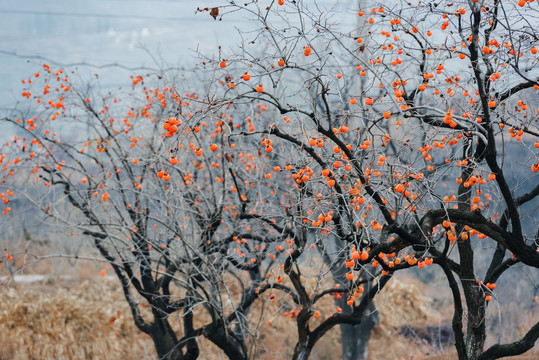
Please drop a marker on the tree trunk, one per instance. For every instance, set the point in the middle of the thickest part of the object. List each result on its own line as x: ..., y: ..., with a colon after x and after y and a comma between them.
x: 355, y: 338
x: 475, y: 303
x: 231, y: 346
x: 303, y: 349
x: 166, y: 342
x: 476, y: 329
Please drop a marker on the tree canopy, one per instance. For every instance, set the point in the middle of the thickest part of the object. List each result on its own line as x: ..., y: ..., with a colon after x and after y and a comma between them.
x: 314, y: 160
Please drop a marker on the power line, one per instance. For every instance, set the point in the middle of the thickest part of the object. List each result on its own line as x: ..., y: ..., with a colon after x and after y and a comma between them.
x: 111, y: 16
x: 129, y: 68
x: 83, y: 63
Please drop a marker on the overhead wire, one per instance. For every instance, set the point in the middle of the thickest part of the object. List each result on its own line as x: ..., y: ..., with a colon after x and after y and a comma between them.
x: 112, y: 16
x: 84, y: 63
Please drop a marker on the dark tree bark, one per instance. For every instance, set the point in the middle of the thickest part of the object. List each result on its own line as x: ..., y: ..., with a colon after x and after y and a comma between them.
x: 166, y: 342
x: 518, y: 347
x: 355, y: 338
x: 226, y: 342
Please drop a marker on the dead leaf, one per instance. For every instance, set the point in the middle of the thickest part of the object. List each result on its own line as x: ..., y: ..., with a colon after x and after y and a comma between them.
x: 214, y: 12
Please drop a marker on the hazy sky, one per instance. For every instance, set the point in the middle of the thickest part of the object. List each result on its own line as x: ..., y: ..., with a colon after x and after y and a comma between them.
x: 96, y: 34
x: 99, y: 33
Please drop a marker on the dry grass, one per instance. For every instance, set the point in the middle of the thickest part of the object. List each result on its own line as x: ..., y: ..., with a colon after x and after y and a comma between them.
x: 70, y: 320
x: 58, y: 320
x: 39, y: 322
x: 402, y: 303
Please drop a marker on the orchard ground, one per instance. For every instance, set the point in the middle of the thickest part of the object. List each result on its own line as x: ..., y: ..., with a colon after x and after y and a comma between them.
x: 77, y: 311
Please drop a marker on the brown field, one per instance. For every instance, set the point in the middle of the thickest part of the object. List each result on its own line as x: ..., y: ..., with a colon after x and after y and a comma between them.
x: 86, y: 317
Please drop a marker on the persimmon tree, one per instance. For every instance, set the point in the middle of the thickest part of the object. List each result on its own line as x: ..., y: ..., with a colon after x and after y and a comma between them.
x: 314, y: 166
x: 160, y: 197
x: 402, y: 136
x: 174, y: 204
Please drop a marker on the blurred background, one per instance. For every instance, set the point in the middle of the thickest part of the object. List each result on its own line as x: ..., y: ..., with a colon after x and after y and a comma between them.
x: 113, y: 38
